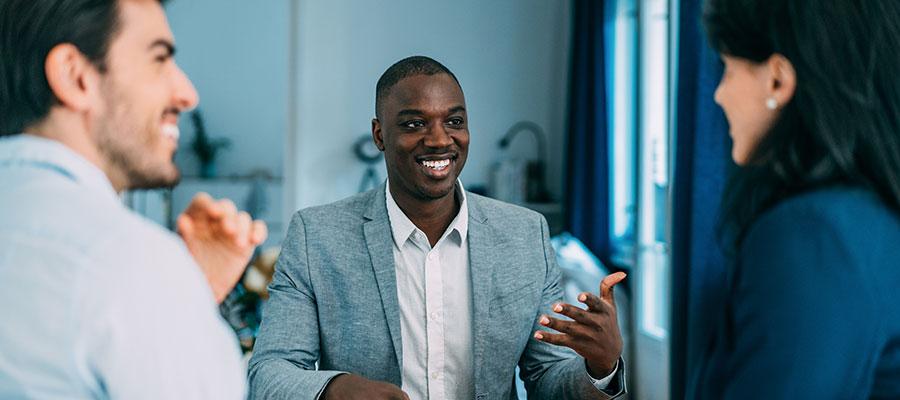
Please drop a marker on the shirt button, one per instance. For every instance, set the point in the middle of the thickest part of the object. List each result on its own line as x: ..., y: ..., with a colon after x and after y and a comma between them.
x: 434, y: 375
x: 431, y: 256
x: 434, y: 316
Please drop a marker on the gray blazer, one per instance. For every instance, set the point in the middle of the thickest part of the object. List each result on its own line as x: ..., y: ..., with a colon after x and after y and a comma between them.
x: 333, y: 301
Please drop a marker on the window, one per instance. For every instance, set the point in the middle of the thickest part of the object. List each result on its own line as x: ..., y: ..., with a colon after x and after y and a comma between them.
x: 639, y: 108
x: 653, y: 186
x: 639, y: 49
x: 621, y: 56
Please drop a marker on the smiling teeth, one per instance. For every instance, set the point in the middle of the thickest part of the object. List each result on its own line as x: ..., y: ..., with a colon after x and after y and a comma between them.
x: 438, y: 165
x: 171, y: 131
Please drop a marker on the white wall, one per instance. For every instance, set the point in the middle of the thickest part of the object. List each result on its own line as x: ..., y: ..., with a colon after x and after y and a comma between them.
x: 511, y: 57
x: 291, y: 82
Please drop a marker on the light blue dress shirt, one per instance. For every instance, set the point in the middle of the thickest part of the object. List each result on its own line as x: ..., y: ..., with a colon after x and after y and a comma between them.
x: 99, y: 303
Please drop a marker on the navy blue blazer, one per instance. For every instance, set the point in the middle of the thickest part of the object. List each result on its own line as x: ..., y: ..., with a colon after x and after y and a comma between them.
x: 813, y: 306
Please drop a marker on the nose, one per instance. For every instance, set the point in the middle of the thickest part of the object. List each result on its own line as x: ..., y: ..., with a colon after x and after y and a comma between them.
x: 438, y: 137
x: 184, y: 95
x: 717, y: 96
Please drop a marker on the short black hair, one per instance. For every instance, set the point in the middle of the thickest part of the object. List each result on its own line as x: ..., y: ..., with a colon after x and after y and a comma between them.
x: 405, y: 68
x: 29, y: 30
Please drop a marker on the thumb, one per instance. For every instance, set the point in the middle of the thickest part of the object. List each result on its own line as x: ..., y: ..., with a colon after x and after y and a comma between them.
x: 607, y: 285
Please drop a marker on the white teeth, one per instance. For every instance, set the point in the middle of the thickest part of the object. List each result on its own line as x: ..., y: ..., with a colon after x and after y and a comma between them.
x: 171, y: 131
x: 437, y: 164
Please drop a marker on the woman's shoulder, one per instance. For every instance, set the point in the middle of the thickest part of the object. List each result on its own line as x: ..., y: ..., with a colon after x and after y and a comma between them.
x: 835, y: 207
x: 855, y: 222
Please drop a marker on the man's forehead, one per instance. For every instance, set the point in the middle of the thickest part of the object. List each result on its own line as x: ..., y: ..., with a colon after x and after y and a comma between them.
x: 426, y: 90
x: 142, y: 23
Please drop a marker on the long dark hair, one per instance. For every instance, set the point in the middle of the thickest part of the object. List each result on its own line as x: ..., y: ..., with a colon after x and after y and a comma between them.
x: 842, y: 126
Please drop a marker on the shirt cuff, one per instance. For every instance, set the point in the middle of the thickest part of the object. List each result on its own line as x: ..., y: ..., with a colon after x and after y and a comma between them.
x: 603, y: 383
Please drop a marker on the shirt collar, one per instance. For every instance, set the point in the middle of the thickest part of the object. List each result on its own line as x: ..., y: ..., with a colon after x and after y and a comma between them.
x: 402, y: 228
x: 39, y: 152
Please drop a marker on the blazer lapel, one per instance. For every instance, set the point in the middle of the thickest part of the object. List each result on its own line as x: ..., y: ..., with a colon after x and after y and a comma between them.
x: 378, y: 239
x: 481, y: 247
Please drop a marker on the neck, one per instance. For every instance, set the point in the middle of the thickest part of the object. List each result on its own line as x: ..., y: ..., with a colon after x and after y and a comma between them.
x: 432, y: 216
x: 72, y: 131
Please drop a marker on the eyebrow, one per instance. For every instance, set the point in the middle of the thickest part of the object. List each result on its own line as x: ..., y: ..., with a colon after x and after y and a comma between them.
x: 411, y: 111
x: 457, y: 109
x: 164, y: 43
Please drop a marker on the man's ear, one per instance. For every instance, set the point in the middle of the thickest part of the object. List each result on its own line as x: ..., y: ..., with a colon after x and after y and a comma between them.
x: 783, y: 81
x: 71, y: 76
x: 377, y: 134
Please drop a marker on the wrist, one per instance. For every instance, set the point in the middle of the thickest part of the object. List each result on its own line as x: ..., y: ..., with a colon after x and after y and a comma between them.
x: 602, y: 369
x: 332, y: 389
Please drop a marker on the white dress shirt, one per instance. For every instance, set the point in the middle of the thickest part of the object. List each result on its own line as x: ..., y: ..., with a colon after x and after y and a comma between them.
x: 435, y: 295
x: 434, y: 289
x: 99, y: 303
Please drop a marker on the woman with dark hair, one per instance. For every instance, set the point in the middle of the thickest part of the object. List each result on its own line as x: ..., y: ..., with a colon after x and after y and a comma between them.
x: 811, y: 218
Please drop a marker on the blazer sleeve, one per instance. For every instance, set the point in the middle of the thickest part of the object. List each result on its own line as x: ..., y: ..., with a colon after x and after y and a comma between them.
x: 804, y: 320
x: 283, y: 365
x: 554, y: 372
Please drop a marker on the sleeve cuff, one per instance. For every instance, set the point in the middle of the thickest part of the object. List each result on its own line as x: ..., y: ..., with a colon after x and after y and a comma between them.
x: 613, y: 384
x: 328, y: 382
x: 603, y: 383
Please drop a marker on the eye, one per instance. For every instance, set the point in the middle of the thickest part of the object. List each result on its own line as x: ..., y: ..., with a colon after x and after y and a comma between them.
x: 414, y: 124
x: 456, y: 121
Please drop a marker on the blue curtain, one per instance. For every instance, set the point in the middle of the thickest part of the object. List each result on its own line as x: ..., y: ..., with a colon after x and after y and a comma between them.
x: 702, y: 163
x: 587, y: 161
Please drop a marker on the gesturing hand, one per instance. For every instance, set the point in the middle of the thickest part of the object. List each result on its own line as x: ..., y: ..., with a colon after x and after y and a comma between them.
x: 593, y: 333
x: 221, y: 239
x: 353, y: 387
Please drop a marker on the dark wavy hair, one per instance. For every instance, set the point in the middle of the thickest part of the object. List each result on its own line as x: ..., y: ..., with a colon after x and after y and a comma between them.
x: 29, y: 29
x: 842, y: 126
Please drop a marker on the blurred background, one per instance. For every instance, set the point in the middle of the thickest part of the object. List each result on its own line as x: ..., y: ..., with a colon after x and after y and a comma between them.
x: 597, y: 114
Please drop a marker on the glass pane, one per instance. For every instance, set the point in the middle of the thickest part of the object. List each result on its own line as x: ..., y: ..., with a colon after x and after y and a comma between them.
x: 654, y: 262
x: 653, y: 179
x: 622, y: 107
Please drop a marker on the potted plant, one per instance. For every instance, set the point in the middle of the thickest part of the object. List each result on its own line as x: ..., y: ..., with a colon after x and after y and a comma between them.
x: 205, y: 147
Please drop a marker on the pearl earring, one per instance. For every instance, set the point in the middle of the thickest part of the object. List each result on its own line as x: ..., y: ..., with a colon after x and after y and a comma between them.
x: 771, y: 103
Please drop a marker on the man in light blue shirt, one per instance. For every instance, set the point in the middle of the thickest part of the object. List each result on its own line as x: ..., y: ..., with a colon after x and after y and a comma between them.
x: 100, y: 303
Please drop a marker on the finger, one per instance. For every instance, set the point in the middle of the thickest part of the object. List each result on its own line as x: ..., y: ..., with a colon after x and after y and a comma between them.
x: 259, y: 232
x: 567, y: 327
x: 593, y: 302
x: 202, y: 203
x: 228, y: 225
x: 559, y: 339
x: 228, y: 221
x: 606, y: 287
x: 394, y: 392
x: 576, y: 313
x: 184, y: 225
x: 243, y: 223
x: 228, y: 207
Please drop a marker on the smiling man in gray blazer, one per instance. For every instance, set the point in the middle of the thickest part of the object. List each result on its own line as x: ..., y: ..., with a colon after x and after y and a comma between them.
x: 420, y: 290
